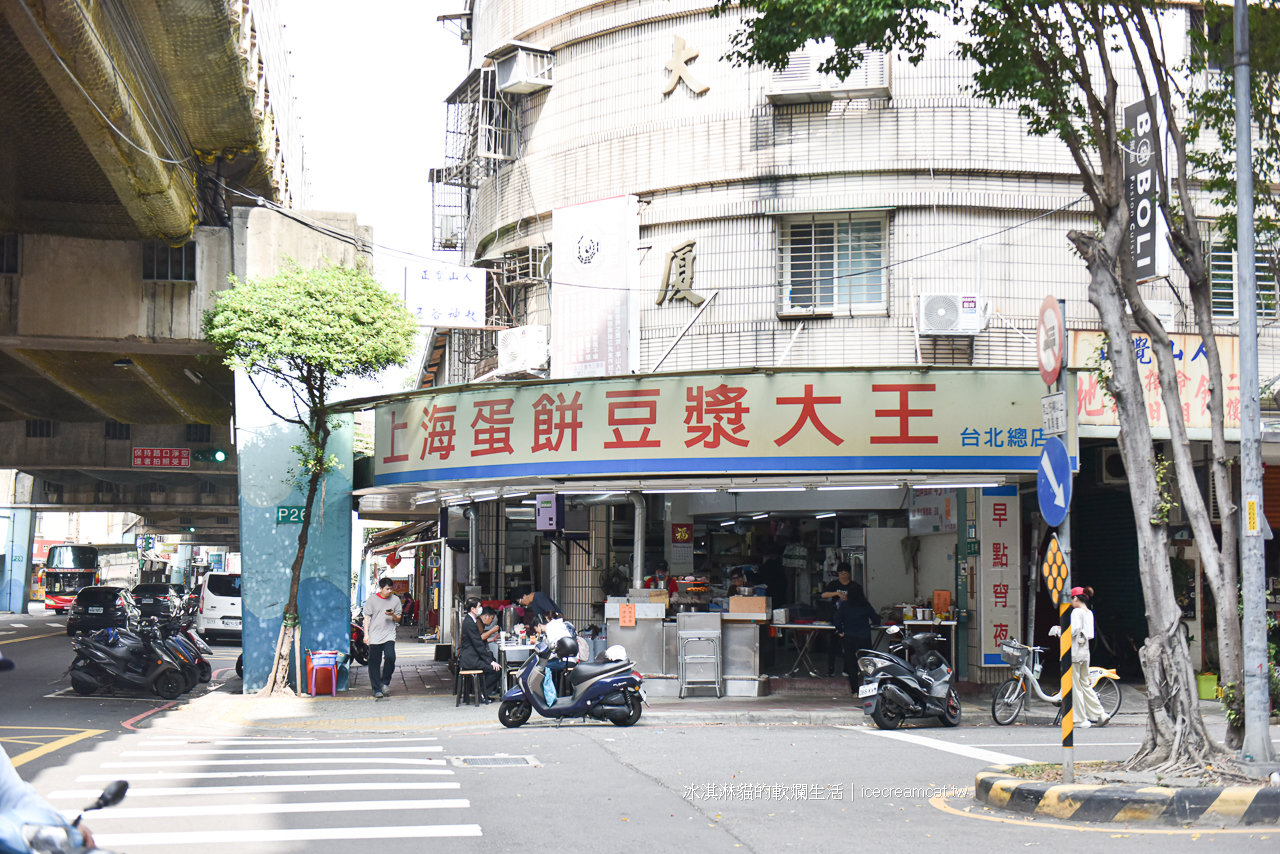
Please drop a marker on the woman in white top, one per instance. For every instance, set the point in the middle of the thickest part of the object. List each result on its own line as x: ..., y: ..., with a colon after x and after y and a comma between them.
x: 1087, y: 707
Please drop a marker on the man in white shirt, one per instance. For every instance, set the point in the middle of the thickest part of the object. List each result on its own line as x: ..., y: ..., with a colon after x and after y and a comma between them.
x: 382, y: 612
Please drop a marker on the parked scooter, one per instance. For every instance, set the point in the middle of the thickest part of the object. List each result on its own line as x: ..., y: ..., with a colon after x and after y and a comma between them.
x: 359, y: 649
x: 919, y: 685
x: 607, y: 690
x: 113, y: 658
x: 195, y: 650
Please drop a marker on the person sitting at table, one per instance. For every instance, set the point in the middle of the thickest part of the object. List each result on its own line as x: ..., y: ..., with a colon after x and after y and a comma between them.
x: 473, y: 652
x: 488, y: 624
x: 853, y: 621
x: 660, y: 579
x: 554, y: 630
x: 738, y: 578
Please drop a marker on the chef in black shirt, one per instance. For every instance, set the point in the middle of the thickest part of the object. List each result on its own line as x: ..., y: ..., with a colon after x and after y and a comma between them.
x: 833, y: 594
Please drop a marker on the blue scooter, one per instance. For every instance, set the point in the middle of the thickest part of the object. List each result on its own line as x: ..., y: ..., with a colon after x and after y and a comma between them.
x: 604, y: 690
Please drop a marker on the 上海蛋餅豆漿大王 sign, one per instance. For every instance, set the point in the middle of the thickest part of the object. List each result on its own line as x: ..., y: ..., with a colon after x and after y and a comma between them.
x: 716, y: 422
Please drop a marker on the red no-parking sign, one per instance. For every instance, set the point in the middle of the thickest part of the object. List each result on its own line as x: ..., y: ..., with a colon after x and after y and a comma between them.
x: 1051, y: 336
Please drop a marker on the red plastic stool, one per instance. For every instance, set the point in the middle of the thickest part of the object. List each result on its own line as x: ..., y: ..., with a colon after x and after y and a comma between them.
x: 324, y: 660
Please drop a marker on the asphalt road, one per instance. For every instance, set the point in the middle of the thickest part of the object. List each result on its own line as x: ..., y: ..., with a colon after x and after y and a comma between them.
x: 578, y: 788
x: 39, y: 710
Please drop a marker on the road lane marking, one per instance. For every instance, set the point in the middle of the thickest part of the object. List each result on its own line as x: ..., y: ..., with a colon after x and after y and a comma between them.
x: 945, y: 746
x: 45, y: 749
x: 389, y: 760
x: 287, y: 751
x: 272, y: 809
x: 225, y: 837
x: 1058, y: 744
x: 32, y: 637
x: 264, y: 742
x: 269, y: 788
x: 233, y: 775
x: 18, y: 625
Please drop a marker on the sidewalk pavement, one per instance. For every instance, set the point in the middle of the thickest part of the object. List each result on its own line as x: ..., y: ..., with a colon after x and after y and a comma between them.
x: 422, y: 699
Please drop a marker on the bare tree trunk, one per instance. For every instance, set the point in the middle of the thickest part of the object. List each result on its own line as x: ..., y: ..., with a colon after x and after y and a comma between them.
x: 278, y: 679
x: 1176, y: 734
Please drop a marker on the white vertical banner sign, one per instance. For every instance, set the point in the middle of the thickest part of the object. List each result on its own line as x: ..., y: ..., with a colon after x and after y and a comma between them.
x: 999, y: 572
x: 595, y: 271
x: 445, y: 296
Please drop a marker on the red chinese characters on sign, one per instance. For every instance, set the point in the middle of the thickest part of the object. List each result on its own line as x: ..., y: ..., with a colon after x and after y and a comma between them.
x: 1089, y: 397
x: 708, y: 414
x: 396, y: 426
x: 808, y: 413
x: 492, y: 426
x: 1001, y: 632
x: 1000, y: 595
x: 633, y: 408
x: 556, y: 416
x: 999, y: 556
x: 162, y: 457
x: 440, y: 432
x: 904, y: 413
x: 999, y: 513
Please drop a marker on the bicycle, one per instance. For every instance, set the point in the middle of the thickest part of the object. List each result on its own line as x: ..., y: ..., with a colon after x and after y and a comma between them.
x: 1009, y: 698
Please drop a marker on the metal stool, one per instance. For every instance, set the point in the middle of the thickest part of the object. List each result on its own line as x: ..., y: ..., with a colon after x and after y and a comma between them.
x: 684, y: 639
x: 464, y: 686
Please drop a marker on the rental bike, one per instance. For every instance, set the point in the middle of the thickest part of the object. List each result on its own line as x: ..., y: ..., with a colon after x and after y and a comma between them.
x: 1011, y: 696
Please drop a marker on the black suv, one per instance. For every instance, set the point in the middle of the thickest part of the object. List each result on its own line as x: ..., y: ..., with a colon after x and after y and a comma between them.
x: 157, y: 600
x: 103, y: 608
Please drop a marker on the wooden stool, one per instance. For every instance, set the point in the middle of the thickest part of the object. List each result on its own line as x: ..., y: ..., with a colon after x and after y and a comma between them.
x: 472, y: 687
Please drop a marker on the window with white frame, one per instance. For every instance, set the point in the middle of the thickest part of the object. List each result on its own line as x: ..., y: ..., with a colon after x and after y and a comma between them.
x: 832, y: 263
x: 1223, y: 274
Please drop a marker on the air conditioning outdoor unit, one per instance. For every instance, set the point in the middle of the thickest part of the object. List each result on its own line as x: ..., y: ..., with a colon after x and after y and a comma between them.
x: 522, y: 349
x: 522, y: 68
x: 952, y: 314
x: 1111, y: 467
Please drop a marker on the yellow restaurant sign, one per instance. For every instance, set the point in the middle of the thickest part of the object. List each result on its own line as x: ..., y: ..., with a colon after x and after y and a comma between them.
x: 716, y: 423
x: 1094, y: 407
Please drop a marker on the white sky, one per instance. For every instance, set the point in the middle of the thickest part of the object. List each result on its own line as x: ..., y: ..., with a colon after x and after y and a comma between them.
x: 370, y: 80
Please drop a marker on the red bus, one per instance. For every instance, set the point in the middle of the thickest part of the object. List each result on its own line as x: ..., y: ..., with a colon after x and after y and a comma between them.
x: 66, y: 570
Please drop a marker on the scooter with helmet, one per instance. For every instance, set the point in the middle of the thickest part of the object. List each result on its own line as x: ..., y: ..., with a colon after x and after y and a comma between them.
x: 606, y: 689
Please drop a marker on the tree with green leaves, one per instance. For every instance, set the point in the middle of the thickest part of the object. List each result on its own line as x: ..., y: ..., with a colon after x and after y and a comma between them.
x: 1061, y: 65
x: 307, y: 332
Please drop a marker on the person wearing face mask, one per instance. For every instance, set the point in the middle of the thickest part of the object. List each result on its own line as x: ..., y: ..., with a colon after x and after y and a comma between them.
x: 661, y: 579
x: 473, y: 652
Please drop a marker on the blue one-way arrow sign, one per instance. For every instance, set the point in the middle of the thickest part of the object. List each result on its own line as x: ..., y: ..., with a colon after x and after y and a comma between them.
x: 1053, y: 481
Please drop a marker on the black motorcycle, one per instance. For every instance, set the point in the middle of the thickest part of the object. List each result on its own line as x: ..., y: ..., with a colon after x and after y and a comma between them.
x: 114, y: 658
x: 917, y: 684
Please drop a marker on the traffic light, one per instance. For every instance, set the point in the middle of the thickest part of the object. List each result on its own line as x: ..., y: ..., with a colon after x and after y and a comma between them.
x: 209, y: 455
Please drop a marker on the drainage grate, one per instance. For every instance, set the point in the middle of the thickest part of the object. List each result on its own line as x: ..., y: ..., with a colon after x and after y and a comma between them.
x: 493, y: 761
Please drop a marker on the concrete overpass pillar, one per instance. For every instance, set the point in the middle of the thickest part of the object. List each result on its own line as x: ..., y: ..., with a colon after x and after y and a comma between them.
x: 15, y: 575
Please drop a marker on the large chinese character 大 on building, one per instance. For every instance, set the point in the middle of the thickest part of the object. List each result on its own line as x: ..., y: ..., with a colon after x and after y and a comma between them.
x: 818, y: 421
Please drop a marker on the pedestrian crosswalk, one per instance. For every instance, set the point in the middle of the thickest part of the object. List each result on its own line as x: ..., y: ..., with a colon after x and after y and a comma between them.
x: 389, y: 789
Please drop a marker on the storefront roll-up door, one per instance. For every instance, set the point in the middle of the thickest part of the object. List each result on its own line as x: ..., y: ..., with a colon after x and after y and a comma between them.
x: 1105, y: 546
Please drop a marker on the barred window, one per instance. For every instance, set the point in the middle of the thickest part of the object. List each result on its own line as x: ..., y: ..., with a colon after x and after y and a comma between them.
x: 9, y: 254
x: 39, y: 428
x: 163, y: 263
x: 208, y: 488
x: 832, y: 263
x: 1223, y: 276
x: 115, y: 430
x: 199, y: 433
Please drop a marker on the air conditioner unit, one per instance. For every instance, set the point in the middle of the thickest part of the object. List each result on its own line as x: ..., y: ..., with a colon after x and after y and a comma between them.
x: 952, y: 314
x: 1111, y: 467
x: 522, y: 68
x: 522, y: 349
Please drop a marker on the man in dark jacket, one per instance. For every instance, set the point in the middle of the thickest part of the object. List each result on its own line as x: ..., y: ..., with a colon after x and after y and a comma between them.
x: 536, y: 605
x: 473, y: 652
x: 853, y: 621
